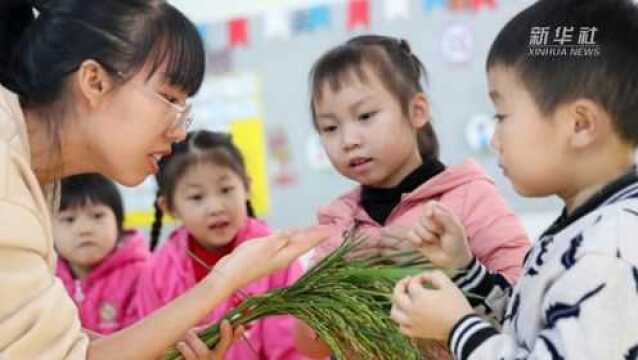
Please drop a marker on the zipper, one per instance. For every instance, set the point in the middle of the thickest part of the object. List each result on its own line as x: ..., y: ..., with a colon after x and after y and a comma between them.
x: 78, y: 295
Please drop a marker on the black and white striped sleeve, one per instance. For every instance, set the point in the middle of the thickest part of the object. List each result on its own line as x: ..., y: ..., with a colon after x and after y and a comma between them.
x: 589, y: 312
x: 488, y: 293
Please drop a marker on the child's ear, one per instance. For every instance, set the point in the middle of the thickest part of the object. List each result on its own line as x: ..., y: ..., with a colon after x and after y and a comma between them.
x: 163, y: 205
x: 249, y: 184
x: 587, y: 122
x: 419, y: 111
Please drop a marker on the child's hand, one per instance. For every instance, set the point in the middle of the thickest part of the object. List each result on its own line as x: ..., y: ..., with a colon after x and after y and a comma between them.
x: 390, y: 244
x: 439, y: 235
x: 428, y: 313
x: 193, y: 348
x: 259, y: 257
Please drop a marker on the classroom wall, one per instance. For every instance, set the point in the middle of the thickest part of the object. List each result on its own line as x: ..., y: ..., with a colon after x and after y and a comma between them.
x: 452, y: 45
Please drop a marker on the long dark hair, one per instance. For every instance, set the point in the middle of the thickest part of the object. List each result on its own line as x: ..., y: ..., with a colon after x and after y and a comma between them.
x: 199, y: 146
x: 39, y: 53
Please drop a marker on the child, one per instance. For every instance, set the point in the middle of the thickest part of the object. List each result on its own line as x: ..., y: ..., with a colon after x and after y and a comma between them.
x: 99, y: 261
x: 205, y: 185
x: 373, y: 119
x: 566, y: 127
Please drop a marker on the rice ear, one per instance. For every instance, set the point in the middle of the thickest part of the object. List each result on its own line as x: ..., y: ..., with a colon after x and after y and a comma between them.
x: 345, y: 300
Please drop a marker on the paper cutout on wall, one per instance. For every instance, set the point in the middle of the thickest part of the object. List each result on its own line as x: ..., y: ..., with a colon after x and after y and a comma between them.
x: 213, y: 35
x: 238, y: 32
x: 456, y: 5
x: 358, y: 14
x: 320, y: 17
x: 301, y: 21
x: 281, y: 151
x: 277, y: 24
x: 316, y: 155
x: 478, y: 4
x: 218, y: 61
x: 478, y: 132
x: 396, y: 9
x: 312, y: 19
x: 457, y: 43
x: 429, y: 5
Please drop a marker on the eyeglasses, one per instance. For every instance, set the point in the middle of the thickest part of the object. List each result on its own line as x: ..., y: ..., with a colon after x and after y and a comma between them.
x: 183, y: 116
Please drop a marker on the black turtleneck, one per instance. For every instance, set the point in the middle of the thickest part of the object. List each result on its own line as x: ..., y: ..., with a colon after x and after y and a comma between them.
x: 379, y: 202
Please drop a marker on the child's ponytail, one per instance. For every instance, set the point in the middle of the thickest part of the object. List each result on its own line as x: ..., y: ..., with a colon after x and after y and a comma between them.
x: 428, y: 142
x: 250, y: 210
x: 156, y: 228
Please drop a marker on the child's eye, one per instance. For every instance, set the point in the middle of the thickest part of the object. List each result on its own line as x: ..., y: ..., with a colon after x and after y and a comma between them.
x: 499, y: 118
x: 328, y: 129
x: 67, y: 219
x: 227, y: 189
x: 197, y: 197
x: 367, y: 115
x: 170, y: 99
x: 98, y: 215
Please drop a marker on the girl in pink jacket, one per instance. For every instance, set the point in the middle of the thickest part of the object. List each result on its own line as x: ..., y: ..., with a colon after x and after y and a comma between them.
x: 204, y: 184
x: 99, y: 261
x: 373, y: 119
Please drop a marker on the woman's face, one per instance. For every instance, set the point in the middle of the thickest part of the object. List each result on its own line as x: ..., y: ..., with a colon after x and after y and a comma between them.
x: 134, y: 127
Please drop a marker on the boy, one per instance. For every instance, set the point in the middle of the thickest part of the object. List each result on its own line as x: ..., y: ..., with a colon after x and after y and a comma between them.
x: 563, y: 77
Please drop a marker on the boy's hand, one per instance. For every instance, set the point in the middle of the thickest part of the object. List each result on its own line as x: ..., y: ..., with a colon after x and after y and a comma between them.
x: 428, y: 313
x: 439, y: 235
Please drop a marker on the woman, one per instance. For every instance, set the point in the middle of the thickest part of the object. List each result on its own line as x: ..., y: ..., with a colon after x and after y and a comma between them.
x: 98, y: 86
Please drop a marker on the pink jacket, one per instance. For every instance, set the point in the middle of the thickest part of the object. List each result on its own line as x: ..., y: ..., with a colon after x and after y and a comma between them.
x: 495, y: 235
x: 105, y: 297
x: 170, y: 273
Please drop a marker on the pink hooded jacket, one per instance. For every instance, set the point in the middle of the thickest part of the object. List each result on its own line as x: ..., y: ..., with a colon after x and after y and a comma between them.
x: 170, y: 273
x: 496, y: 236
x: 105, y: 297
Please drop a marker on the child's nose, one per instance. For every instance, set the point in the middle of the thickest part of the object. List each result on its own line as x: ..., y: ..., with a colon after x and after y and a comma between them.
x: 495, y: 143
x: 350, y: 138
x: 83, y: 228
x: 214, y: 207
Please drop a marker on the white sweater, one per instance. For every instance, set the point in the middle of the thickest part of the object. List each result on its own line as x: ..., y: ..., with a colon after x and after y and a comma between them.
x: 578, y: 294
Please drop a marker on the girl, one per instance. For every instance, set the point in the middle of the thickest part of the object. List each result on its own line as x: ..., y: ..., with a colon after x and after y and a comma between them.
x: 204, y: 184
x: 99, y: 261
x: 373, y: 120
x: 111, y: 102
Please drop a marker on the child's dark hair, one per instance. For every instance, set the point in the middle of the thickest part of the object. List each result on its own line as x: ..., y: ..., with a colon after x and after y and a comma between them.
x: 608, y: 75
x: 394, y: 63
x: 80, y: 190
x: 39, y: 53
x: 199, y: 146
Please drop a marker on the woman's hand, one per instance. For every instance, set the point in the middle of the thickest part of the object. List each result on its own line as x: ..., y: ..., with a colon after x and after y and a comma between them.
x: 259, y: 257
